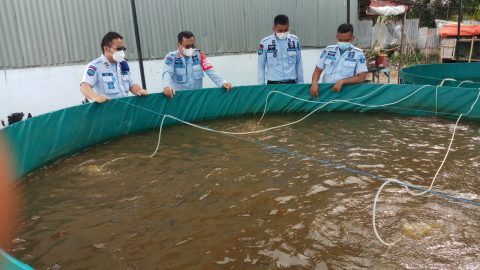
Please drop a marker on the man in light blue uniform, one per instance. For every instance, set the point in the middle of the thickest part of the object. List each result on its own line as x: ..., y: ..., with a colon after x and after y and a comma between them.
x: 185, y: 68
x: 280, y: 56
x: 109, y: 74
x: 340, y: 64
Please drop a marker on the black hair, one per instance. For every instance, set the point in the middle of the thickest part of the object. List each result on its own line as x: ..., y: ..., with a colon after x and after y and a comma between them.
x: 281, y: 19
x: 184, y: 34
x: 108, y: 38
x: 345, y: 28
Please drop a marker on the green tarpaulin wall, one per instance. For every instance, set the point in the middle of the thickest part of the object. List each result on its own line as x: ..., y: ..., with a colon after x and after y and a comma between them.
x: 434, y: 74
x: 43, y: 139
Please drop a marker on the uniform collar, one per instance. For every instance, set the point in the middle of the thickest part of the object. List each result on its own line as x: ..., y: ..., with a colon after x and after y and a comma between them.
x: 280, y: 40
x: 106, y: 62
x: 348, y: 50
x: 178, y: 54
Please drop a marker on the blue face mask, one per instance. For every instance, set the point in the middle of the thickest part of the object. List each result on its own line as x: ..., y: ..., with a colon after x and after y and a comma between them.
x: 344, y: 45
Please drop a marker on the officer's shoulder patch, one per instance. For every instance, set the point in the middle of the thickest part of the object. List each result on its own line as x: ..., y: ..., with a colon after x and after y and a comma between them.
x: 324, y: 52
x: 170, y: 54
x: 260, y: 49
x: 362, y: 59
x: 91, y: 70
x: 169, y: 60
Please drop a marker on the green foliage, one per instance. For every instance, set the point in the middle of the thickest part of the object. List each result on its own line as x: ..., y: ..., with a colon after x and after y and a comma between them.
x: 429, y: 10
x: 414, y: 57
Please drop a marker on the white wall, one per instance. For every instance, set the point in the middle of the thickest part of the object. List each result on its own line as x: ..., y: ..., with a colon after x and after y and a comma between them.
x: 45, y: 89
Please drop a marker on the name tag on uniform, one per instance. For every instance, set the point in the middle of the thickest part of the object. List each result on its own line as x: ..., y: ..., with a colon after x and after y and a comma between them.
x: 107, y: 74
x: 178, y: 63
x: 291, y: 45
x: 271, y: 48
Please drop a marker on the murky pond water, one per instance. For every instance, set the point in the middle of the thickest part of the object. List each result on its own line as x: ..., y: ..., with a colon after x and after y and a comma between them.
x: 211, y: 201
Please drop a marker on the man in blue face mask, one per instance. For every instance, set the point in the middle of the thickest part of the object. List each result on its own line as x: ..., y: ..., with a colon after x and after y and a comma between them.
x: 340, y: 64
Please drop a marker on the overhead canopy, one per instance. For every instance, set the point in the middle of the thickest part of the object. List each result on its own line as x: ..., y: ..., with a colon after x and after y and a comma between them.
x: 386, y: 8
x: 451, y: 30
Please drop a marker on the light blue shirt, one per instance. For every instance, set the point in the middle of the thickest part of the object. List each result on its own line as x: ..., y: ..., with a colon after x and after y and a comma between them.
x: 184, y: 73
x: 337, y: 66
x: 280, y: 59
x: 108, y: 79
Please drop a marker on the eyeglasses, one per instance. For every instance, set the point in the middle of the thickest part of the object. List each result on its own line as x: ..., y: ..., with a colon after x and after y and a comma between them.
x: 119, y: 49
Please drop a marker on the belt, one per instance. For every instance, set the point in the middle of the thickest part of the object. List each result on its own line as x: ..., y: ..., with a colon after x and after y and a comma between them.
x: 282, y: 82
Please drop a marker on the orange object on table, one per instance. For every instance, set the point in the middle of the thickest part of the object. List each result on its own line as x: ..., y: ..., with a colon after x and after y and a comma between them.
x: 381, y: 60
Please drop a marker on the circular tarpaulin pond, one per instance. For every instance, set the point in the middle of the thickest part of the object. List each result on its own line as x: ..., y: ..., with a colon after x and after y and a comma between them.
x: 453, y: 74
x: 44, y: 139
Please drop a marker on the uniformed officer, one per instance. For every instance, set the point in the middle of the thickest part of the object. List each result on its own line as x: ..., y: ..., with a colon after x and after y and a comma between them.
x: 185, y: 68
x: 341, y: 64
x: 109, y: 74
x: 279, y: 55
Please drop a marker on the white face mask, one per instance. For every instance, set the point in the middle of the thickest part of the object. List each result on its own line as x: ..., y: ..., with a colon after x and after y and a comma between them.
x: 188, y: 52
x: 282, y: 35
x: 344, y: 45
x: 118, y: 56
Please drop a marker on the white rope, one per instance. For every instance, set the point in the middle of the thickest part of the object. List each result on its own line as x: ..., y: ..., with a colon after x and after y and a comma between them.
x: 374, y: 208
x: 312, y: 101
x: 159, y: 137
x: 315, y: 110
x: 447, y: 79
x: 324, y: 104
x: 449, y: 147
x: 467, y: 81
x: 454, y: 80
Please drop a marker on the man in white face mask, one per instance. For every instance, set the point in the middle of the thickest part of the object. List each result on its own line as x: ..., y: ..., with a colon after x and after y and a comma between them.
x: 280, y: 56
x: 109, y: 74
x: 340, y: 64
x: 184, y: 68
